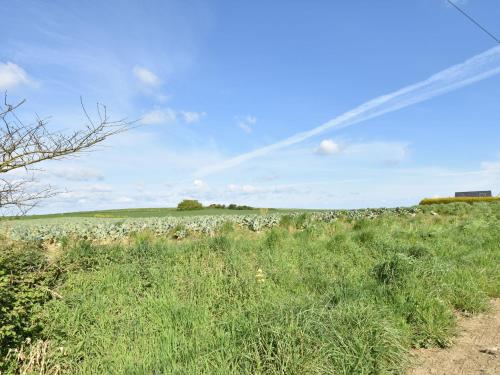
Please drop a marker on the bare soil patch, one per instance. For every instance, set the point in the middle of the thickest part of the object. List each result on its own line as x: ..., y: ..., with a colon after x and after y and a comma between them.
x: 476, y: 349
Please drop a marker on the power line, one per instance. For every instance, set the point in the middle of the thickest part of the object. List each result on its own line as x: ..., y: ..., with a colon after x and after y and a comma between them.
x: 473, y: 21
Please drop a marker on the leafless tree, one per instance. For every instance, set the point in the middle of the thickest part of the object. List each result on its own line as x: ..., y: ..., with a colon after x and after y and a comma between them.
x: 24, y: 146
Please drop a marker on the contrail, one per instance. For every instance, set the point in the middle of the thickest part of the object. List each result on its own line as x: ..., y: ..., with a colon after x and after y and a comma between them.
x: 477, y: 68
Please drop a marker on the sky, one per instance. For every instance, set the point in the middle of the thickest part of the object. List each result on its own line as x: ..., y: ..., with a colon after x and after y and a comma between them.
x: 305, y: 104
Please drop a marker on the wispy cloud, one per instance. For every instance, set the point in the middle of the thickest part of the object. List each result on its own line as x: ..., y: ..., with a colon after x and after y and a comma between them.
x: 192, y: 117
x: 170, y: 116
x: 12, y: 75
x: 159, y: 116
x: 72, y: 173
x: 477, y: 68
x: 146, y: 77
x: 246, y: 123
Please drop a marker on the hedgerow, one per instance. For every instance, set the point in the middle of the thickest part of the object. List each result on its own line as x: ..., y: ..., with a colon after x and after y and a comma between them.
x: 427, y: 201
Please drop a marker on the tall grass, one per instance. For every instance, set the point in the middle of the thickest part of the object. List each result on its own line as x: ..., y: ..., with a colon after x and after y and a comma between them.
x: 343, y: 298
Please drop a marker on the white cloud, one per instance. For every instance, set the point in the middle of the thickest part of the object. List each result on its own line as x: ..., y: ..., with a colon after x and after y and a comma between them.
x: 159, y: 116
x: 191, y: 117
x: 12, y: 75
x: 170, y: 116
x: 246, y: 123
x: 328, y: 147
x: 76, y: 173
x: 86, y: 192
x: 199, y: 184
x: 145, y: 76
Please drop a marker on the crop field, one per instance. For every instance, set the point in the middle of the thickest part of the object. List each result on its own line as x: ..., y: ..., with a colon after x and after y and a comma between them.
x: 330, y: 292
x: 101, y: 229
x: 145, y: 212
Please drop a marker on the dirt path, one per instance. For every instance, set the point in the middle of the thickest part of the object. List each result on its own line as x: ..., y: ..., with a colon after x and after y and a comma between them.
x: 476, y: 350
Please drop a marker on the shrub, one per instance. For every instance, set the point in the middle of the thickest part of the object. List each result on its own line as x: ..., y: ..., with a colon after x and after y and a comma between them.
x: 189, y: 204
x: 458, y: 199
x: 217, y: 205
x: 25, y: 282
x: 233, y: 206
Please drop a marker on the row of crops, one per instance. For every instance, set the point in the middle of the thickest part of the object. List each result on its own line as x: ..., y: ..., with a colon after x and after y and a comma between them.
x: 100, y: 229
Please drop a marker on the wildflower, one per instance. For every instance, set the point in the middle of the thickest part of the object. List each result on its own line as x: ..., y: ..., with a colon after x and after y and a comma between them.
x: 259, y: 276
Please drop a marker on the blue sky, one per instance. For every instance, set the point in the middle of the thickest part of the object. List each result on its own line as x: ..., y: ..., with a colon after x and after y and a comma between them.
x: 211, y: 81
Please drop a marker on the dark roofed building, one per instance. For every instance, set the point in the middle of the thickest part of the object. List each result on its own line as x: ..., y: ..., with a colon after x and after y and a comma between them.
x: 486, y: 193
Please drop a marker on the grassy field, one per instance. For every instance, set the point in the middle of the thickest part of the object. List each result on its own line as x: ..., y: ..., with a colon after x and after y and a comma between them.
x: 343, y: 297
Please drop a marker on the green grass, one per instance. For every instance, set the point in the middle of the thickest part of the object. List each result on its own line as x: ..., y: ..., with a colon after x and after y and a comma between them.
x: 347, y: 297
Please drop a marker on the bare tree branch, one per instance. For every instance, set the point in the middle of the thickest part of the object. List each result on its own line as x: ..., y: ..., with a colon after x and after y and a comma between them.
x: 23, y: 146
x: 21, y: 195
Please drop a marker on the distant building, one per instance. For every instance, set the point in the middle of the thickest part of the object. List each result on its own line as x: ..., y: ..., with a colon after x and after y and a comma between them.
x: 486, y: 193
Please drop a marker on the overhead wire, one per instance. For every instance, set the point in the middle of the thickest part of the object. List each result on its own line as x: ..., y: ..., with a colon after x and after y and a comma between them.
x: 474, y: 21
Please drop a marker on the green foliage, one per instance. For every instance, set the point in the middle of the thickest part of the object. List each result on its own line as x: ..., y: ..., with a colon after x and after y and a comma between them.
x: 220, y: 244
x: 300, y: 221
x: 226, y: 227
x: 180, y: 231
x: 427, y: 201
x: 394, y: 270
x: 233, y: 206
x: 217, y: 205
x: 286, y: 221
x: 418, y: 251
x: 25, y: 282
x: 273, y: 239
x: 347, y: 292
x: 189, y: 205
